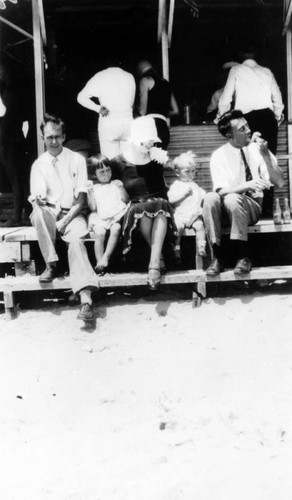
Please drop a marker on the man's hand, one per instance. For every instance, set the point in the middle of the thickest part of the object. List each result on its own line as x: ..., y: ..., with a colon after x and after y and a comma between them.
x: 257, y: 185
x: 280, y: 120
x: 40, y: 200
x: 255, y: 136
x: 103, y: 111
x: 262, y: 144
x: 61, y: 225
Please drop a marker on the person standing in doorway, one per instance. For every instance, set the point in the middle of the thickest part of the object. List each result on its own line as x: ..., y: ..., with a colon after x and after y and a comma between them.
x: 115, y: 90
x: 155, y: 99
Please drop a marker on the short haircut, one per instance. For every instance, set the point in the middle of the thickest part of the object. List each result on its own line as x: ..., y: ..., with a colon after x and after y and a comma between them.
x: 48, y: 118
x: 224, y: 123
x: 184, y: 160
x: 98, y: 161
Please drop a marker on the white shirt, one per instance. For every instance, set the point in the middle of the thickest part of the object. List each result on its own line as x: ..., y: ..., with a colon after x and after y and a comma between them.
x: 59, y: 183
x: 115, y: 89
x: 191, y: 205
x: 253, y: 87
x: 213, y: 106
x: 228, y: 169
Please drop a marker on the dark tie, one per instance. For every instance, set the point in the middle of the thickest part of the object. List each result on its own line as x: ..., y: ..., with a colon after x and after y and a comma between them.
x: 248, y: 176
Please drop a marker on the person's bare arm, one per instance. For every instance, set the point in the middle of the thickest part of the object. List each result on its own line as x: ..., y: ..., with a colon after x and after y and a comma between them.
x: 91, y: 200
x: 73, y: 212
x: 174, y: 109
x: 144, y: 87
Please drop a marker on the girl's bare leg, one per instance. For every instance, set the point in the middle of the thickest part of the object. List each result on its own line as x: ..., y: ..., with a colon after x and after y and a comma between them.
x: 111, y: 244
x: 99, y: 237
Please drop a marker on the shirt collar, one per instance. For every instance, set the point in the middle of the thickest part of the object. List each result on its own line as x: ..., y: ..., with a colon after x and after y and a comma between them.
x: 250, y: 62
x: 59, y: 157
x: 233, y: 149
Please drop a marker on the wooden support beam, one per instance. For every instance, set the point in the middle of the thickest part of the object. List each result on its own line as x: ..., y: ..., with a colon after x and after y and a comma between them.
x: 165, y: 55
x: 161, y: 13
x: 39, y: 72
x: 290, y: 161
x: 170, y: 21
x: 42, y: 22
x: 287, y: 17
x: 289, y: 74
x: 15, y: 27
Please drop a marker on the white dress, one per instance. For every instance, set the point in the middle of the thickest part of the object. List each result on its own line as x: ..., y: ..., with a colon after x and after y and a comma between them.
x: 109, y: 206
x: 190, y: 208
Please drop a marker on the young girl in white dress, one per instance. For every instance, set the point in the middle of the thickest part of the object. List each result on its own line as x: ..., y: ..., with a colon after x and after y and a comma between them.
x: 107, y: 201
x: 187, y: 197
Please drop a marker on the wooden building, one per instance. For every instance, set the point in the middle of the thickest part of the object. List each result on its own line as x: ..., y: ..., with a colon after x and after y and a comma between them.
x: 56, y: 45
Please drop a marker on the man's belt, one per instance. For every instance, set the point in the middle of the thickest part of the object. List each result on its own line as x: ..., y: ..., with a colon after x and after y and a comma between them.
x: 53, y: 205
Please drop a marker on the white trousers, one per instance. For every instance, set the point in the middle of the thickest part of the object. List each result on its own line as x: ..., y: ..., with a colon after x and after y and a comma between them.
x: 113, y: 134
x: 81, y: 272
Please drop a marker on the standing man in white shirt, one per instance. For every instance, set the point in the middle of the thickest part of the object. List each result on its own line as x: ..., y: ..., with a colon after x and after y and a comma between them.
x: 115, y: 89
x: 257, y: 94
x: 58, y: 186
x: 241, y: 170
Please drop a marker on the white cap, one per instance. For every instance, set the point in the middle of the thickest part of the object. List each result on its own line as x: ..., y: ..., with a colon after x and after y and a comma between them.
x: 143, y: 129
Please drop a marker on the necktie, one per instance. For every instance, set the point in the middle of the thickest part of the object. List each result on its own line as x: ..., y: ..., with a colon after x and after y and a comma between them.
x: 248, y: 176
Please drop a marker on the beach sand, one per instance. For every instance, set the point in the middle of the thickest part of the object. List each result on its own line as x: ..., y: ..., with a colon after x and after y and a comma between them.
x: 157, y: 401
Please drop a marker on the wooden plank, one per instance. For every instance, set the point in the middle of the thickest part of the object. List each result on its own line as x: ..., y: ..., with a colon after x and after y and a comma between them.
x: 22, y: 234
x: 29, y: 233
x: 25, y: 252
x: 30, y: 283
x: 10, y: 252
x: 262, y: 226
x: 5, y: 231
x: 259, y: 273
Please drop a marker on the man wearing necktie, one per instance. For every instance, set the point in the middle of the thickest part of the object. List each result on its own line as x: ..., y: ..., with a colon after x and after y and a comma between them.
x: 240, y: 169
x: 58, y: 185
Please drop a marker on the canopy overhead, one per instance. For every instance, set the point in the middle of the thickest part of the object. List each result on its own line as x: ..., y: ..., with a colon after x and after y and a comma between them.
x: 81, y: 34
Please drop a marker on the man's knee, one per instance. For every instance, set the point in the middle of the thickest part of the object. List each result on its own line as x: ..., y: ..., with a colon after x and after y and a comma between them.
x: 116, y: 227
x: 232, y: 201
x: 75, y: 241
x: 211, y: 199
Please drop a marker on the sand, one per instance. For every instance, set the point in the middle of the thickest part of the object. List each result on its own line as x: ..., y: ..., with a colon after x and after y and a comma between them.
x: 158, y: 401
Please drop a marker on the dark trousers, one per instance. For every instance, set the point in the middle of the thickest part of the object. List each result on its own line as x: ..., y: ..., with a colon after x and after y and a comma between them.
x: 162, y: 132
x: 264, y: 121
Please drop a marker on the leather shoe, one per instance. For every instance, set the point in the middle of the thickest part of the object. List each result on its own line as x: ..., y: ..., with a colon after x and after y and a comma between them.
x: 48, y: 275
x: 86, y: 312
x: 214, y: 268
x: 243, y: 266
